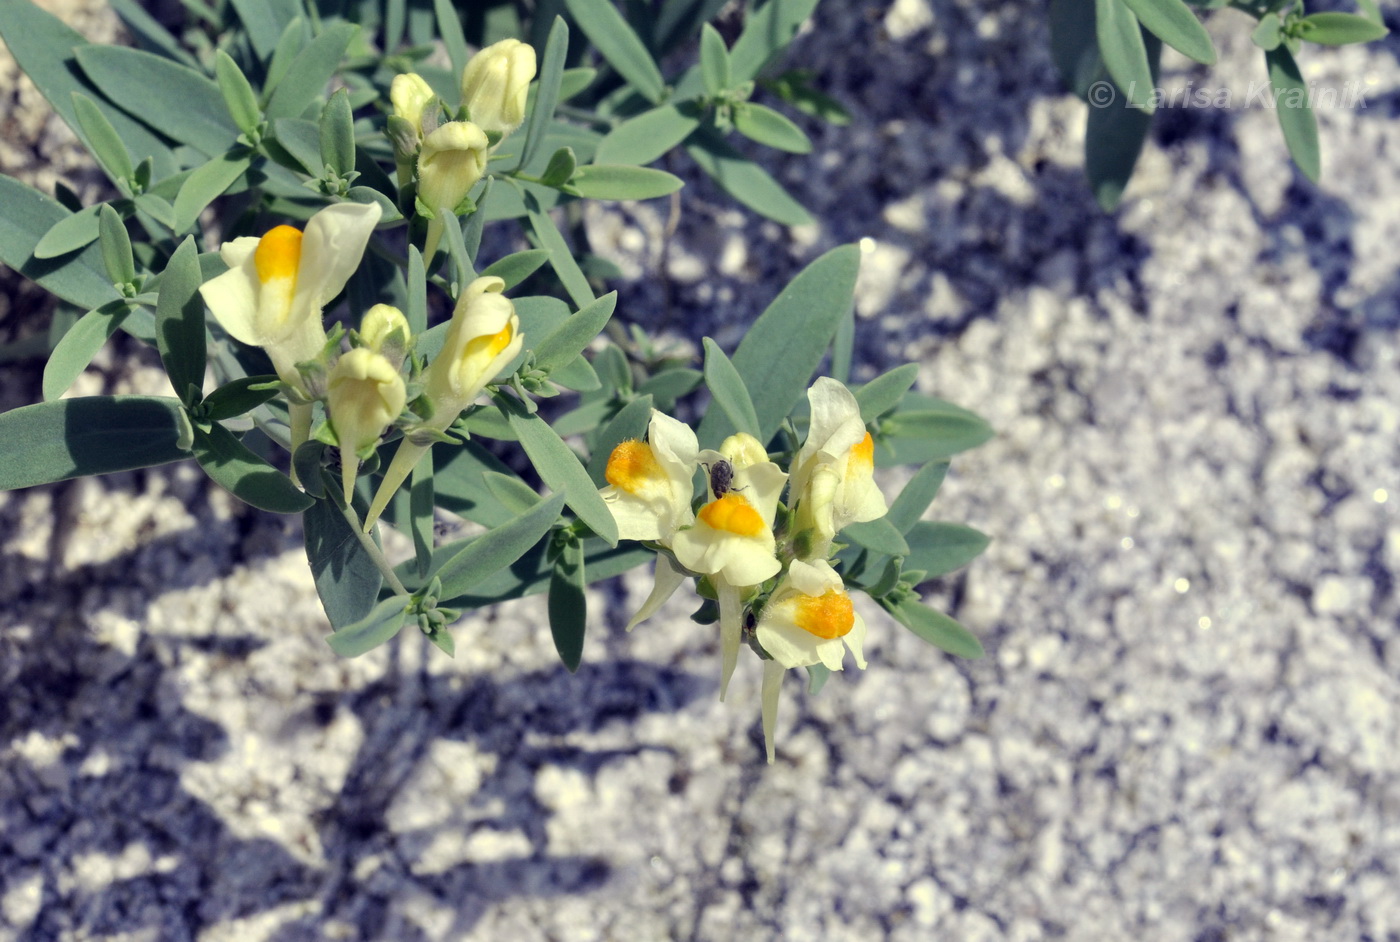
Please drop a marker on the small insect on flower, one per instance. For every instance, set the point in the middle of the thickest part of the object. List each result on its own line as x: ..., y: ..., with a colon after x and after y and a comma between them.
x: 721, y: 478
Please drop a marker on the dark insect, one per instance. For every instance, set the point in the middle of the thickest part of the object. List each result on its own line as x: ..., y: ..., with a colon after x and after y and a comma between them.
x: 721, y: 478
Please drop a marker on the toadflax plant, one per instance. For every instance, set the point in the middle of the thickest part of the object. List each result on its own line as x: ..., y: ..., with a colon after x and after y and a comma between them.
x: 299, y: 193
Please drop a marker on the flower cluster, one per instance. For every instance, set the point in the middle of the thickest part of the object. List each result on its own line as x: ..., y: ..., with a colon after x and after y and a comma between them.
x: 766, y: 565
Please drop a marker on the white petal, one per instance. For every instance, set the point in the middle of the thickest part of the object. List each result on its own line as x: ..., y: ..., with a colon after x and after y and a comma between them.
x: 731, y: 623
x: 789, y: 645
x: 233, y: 300
x: 772, y: 689
x: 238, y: 251
x: 331, y: 249
x: 636, y: 519
x: 855, y: 640
x: 674, y: 445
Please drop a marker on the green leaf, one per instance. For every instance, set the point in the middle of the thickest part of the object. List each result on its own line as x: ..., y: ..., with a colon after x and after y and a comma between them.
x: 771, y: 128
x: 560, y: 168
x: 603, y: 182
x: 714, y: 60
x: 936, y: 628
x: 512, y: 493
x: 462, y: 566
x: 54, y: 441
x: 302, y: 140
x: 551, y: 74
x: 817, y: 676
x: 383, y: 622
x: 459, y: 482
x: 346, y: 578
x: 238, y: 470
x: 630, y: 423
x: 937, y: 548
x: 416, y: 311
x: 646, y: 137
x: 172, y: 98
x: 1294, y: 111
x: 337, y: 134
x: 116, y: 246
x: 574, y: 81
x: 148, y: 33
x: 879, y: 535
x: 618, y: 43
x: 568, y: 606
x: 668, y: 386
x: 103, y: 139
x: 783, y: 348
x: 180, y: 324
x: 572, y: 337
x: 1339, y: 29
x: 450, y: 29
x: 309, y: 73
x: 560, y: 256
x: 766, y: 34
x: 1269, y: 33
x: 76, y: 348
x: 922, y: 488
x: 1113, y: 140
x: 290, y: 42
x: 883, y: 393
x: 729, y: 392
x: 1124, y: 54
x: 70, y: 233
x: 1074, y: 44
x: 238, y: 94
x: 745, y: 180
x: 237, y: 397
x: 793, y: 87
x: 934, y: 432
x: 561, y: 470
x: 207, y: 183
x: 515, y: 268
x: 420, y: 505
x: 265, y: 21
x: 1175, y: 24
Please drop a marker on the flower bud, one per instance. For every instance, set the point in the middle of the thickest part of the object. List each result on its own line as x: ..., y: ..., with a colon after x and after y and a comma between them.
x: 385, y: 330
x: 410, y: 95
x: 453, y: 158
x: 496, y: 83
x: 364, y: 394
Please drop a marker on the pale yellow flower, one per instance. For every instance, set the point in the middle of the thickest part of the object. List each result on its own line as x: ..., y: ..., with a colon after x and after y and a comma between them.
x: 833, y: 475
x: 452, y: 160
x: 496, y: 84
x: 650, y: 483
x: 364, y: 395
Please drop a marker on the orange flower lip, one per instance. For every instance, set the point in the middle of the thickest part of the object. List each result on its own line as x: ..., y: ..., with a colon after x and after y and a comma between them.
x: 732, y: 513
x: 278, y: 254
x: 631, y: 465
x: 829, y: 615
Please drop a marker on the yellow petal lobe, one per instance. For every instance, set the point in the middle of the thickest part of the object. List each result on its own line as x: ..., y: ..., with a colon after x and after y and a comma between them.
x: 829, y: 615
x: 733, y: 514
x: 863, y: 454
x: 278, y: 254
x: 631, y: 465
x: 492, y: 344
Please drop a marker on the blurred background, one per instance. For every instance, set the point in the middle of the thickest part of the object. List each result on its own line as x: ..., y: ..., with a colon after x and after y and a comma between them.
x: 1187, y: 721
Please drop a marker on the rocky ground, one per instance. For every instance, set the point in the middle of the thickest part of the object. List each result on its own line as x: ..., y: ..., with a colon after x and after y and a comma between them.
x: 1186, y: 724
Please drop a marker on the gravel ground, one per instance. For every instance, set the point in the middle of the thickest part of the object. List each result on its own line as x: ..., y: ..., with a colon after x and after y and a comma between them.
x: 1186, y: 724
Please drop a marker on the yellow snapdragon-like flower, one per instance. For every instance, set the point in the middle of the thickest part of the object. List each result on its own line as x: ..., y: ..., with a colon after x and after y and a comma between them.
x: 364, y: 395
x: 453, y: 158
x: 276, y: 286
x: 482, y: 338
x: 732, y: 540
x: 385, y: 330
x: 650, y: 483
x: 833, y: 475
x: 496, y: 85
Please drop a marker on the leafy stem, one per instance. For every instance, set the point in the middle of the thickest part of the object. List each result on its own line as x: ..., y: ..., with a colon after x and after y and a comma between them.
x: 372, y: 549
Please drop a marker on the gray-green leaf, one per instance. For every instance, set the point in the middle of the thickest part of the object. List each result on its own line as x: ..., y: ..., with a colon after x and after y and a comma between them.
x: 384, y: 621
x: 180, y: 324
x: 237, y: 469
x: 54, y: 441
x: 728, y: 389
x: 1294, y: 111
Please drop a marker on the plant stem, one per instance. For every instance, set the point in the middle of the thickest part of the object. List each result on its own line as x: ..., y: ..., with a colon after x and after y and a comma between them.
x: 372, y: 548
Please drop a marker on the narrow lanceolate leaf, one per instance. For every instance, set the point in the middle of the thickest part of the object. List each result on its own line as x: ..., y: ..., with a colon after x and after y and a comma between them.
x: 1175, y: 24
x: 180, y: 323
x: 347, y: 580
x: 551, y: 75
x: 54, y: 441
x: 239, y: 97
x: 561, y: 257
x: 877, y: 535
x: 714, y: 60
x: 29, y: 216
x: 781, y: 351
x: 104, y: 140
x: 265, y: 20
x: 338, y: 134
x: 1123, y: 52
x: 630, y: 424
x: 466, y: 565
x: 766, y: 34
x: 922, y: 488
x: 937, y: 548
x: 561, y: 345
x: 207, y: 183
x: 75, y: 350
x: 728, y: 389
x: 602, y: 182
x: 920, y: 433
x: 416, y: 311
x: 238, y: 397
x: 1340, y: 29
x: 617, y: 42
x: 420, y: 505
x: 172, y: 98
x: 1113, y: 140
x: 936, y: 628
x: 70, y: 233
x: 308, y: 74
x: 149, y: 34
x: 745, y: 180
x: 516, y: 267
x: 237, y: 469
x: 1294, y: 111
x: 649, y: 135
x: 383, y: 622
x: 450, y: 29
x: 568, y: 606
x: 771, y: 128
x: 1074, y: 45
x: 883, y: 393
x: 116, y: 246
x: 561, y: 469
